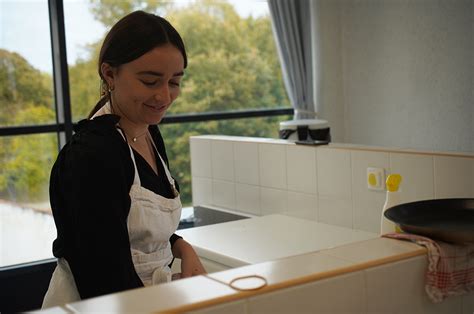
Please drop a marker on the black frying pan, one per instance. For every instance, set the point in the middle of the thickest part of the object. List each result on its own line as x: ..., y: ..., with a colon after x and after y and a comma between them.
x: 449, y: 220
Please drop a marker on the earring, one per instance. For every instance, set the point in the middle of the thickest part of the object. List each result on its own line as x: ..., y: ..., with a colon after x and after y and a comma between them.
x: 110, y: 89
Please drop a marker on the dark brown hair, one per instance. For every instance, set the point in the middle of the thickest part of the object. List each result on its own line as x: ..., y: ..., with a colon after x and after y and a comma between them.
x: 131, y: 37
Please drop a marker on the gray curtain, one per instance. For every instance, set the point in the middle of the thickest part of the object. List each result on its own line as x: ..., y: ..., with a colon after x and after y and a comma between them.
x: 293, y: 28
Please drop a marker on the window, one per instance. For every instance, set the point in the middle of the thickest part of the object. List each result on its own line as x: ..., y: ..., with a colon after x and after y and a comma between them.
x: 233, y: 66
x: 233, y: 63
x: 26, y: 225
x: 26, y: 85
x: 26, y: 99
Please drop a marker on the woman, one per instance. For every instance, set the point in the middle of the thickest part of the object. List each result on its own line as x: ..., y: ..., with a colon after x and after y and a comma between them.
x: 115, y: 204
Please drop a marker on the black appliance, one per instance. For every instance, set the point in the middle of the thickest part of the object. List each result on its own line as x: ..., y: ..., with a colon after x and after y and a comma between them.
x: 203, y: 216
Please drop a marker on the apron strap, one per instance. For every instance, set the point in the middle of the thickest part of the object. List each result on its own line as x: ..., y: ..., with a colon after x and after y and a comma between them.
x: 136, y: 179
x: 168, y: 174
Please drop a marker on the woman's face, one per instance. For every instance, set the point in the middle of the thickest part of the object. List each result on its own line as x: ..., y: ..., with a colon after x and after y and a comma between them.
x: 145, y: 87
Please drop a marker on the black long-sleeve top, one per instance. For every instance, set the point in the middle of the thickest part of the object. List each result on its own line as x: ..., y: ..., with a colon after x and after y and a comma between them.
x: 89, y: 194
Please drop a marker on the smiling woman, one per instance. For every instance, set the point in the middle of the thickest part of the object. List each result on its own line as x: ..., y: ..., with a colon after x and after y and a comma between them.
x: 115, y: 203
x: 146, y: 87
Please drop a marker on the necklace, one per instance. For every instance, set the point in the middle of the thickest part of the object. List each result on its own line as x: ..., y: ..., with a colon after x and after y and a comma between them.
x: 134, y: 139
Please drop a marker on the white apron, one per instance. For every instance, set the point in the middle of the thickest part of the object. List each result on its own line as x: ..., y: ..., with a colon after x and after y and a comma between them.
x: 151, y: 222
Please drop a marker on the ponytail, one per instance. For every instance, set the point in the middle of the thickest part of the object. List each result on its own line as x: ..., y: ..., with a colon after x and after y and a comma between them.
x: 101, y: 103
x: 104, y: 98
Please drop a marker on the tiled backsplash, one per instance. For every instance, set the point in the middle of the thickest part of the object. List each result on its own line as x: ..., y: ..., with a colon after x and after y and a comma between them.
x: 323, y: 183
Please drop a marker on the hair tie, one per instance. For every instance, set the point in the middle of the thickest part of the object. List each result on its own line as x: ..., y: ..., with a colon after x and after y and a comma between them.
x: 262, y: 284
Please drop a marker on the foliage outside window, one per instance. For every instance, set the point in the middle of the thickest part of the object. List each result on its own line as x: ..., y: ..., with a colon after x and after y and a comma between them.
x: 26, y: 98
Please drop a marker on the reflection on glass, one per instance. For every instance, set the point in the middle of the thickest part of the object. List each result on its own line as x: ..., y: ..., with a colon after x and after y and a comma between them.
x: 176, y: 137
x: 26, y: 225
x: 233, y: 63
x: 26, y: 85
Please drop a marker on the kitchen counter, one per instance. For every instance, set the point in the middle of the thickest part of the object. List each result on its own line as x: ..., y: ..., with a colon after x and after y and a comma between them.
x: 347, y: 261
x: 319, y: 266
x: 266, y: 238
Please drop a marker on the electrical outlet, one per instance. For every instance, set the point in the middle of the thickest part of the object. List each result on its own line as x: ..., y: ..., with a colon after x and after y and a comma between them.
x: 376, y: 179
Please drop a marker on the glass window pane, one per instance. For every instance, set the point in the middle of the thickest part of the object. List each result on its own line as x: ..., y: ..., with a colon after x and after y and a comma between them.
x: 26, y: 84
x: 233, y: 62
x: 176, y: 137
x: 26, y: 225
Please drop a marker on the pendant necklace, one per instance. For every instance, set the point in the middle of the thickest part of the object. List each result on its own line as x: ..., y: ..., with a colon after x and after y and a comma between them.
x: 134, y: 139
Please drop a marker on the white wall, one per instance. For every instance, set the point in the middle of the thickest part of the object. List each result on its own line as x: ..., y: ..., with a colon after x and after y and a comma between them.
x: 398, y: 72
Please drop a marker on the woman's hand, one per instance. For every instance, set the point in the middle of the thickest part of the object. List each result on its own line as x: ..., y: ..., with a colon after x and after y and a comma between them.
x: 190, y: 263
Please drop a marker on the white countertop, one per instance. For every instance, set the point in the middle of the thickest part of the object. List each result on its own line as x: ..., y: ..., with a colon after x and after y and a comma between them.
x: 266, y: 238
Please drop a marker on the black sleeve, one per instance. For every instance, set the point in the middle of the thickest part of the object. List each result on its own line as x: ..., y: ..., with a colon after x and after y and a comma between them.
x: 173, y: 238
x: 91, y: 213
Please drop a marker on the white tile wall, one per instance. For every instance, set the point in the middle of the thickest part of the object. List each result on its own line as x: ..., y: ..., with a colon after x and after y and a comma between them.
x: 302, y: 205
x: 417, y: 176
x: 367, y: 204
x: 246, y: 163
x: 301, y: 169
x: 341, y: 294
x: 273, y: 201
x: 222, y: 160
x: 202, y: 191
x: 272, y: 163
x: 223, y: 194
x: 367, y: 213
x: 399, y: 288
x: 247, y: 198
x: 453, y: 177
x: 326, y: 184
x: 334, y: 173
x: 335, y: 211
x: 201, y: 157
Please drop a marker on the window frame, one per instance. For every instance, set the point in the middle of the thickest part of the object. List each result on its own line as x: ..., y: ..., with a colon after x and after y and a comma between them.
x: 64, y: 125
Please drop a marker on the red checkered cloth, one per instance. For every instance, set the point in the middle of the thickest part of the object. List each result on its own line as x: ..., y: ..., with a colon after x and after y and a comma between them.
x: 450, y: 266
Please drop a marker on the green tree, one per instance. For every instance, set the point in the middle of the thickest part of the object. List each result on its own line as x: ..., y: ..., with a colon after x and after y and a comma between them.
x: 25, y: 99
x: 110, y: 11
x: 84, y: 83
x: 233, y: 65
x: 27, y: 165
x: 21, y: 86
